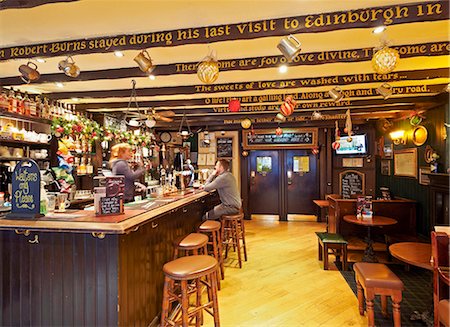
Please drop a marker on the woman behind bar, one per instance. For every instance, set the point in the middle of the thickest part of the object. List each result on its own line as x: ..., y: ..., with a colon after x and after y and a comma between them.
x: 120, y: 154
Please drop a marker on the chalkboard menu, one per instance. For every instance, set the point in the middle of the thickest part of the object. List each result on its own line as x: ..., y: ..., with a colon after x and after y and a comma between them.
x: 111, y: 205
x: 224, y: 147
x: 26, y: 190
x: 291, y: 138
x: 351, y: 182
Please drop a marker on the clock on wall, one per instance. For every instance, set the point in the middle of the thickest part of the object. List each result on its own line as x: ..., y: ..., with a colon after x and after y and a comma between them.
x: 165, y: 137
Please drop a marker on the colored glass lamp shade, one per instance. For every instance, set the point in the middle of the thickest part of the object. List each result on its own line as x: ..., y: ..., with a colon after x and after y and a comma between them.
x: 385, y: 60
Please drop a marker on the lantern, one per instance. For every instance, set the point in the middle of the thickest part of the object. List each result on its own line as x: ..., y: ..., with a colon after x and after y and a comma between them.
x: 278, y: 131
x: 234, y: 105
x: 315, y: 150
x: 246, y: 123
x: 287, y: 109
x: 385, y: 60
x: 208, y: 69
x: 336, y: 145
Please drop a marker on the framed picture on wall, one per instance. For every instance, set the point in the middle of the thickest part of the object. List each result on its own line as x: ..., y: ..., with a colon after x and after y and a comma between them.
x: 385, y: 167
x: 423, y: 177
x: 405, y: 163
x: 387, y: 149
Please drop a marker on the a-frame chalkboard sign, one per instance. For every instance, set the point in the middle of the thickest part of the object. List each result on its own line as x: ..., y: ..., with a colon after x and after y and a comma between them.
x: 26, y: 190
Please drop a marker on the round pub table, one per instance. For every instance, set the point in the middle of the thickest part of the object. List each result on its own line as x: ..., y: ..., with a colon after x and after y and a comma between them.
x: 376, y: 221
x: 419, y: 255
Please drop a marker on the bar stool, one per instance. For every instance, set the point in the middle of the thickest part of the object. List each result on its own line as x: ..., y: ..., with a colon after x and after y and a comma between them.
x: 213, y: 228
x: 193, y: 242
x: 232, y: 234
x: 201, y: 270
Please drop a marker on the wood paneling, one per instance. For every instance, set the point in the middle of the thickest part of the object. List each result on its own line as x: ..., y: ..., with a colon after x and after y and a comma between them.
x: 76, y: 279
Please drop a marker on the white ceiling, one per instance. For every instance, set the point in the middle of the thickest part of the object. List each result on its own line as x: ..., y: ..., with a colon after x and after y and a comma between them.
x: 92, y: 18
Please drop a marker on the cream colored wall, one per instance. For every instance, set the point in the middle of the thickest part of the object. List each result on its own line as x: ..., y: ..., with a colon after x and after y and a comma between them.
x: 236, y: 163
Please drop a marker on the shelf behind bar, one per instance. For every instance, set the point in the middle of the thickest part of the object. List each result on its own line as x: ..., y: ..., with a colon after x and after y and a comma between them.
x: 13, y: 115
x: 19, y: 142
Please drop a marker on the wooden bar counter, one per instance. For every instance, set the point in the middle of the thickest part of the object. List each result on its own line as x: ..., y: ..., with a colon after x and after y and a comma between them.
x: 93, y: 271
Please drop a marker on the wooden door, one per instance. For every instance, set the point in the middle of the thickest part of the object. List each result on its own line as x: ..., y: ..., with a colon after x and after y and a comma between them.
x: 300, y: 179
x: 264, y: 175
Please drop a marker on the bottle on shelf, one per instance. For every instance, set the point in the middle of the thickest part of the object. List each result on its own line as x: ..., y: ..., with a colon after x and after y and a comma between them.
x: 26, y: 104
x: 45, y: 113
x: 39, y: 104
x: 33, y: 106
x: 20, y: 107
x: 12, y: 101
x: 89, y: 167
x: 4, y: 101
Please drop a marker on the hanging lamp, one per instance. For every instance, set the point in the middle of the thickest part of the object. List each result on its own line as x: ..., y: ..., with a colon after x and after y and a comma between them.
x: 133, y: 122
x: 185, y: 134
x: 208, y: 68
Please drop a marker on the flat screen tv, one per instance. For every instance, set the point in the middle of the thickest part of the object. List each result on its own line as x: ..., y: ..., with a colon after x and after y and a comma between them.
x: 358, y: 145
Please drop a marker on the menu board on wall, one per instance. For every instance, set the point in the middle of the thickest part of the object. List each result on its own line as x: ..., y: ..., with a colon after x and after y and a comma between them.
x: 351, y: 182
x: 224, y: 147
x: 291, y: 138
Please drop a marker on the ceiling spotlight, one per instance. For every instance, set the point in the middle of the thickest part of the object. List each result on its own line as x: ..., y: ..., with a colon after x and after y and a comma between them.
x: 118, y: 54
x: 379, y: 29
x: 336, y: 94
x: 59, y: 84
x: 290, y: 47
x: 144, y: 62
x: 75, y: 99
x: 152, y: 77
x: 68, y: 67
x: 283, y: 69
x: 41, y: 60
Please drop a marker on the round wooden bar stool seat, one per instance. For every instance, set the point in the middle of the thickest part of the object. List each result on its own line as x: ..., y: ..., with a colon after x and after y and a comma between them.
x: 192, y: 242
x: 201, y: 272
x: 233, y: 233
x: 213, y: 228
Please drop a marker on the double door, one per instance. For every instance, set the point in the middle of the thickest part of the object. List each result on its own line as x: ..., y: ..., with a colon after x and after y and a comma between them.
x: 283, y: 182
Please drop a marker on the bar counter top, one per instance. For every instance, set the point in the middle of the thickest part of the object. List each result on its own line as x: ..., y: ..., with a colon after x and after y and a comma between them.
x: 85, y: 221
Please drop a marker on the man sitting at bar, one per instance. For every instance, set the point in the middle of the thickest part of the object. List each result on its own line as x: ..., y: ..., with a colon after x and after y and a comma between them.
x: 225, y: 184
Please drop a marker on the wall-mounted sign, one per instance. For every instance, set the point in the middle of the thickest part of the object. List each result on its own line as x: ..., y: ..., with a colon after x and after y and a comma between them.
x: 26, y: 187
x: 224, y: 147
x: 405, y: 162
x: 300, y: 164
x: 299, y: 138
x: 351, y: 182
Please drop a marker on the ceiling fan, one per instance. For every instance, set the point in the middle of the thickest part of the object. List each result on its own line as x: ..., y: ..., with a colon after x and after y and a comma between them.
x: 151, y: 117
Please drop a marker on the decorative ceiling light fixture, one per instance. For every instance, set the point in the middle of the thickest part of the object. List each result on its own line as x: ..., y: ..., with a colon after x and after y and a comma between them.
x: 385, y: 90
x: 234, y: 105
x: 185, y: 133
x: 118, y: 54
x: 29, y: 74
x: 69, y: 67
x: 208, y: 68
x: 385, y: 59
x: 336, y: 94
x: 133, y: 122
x: 144, y: 62
x: 290, y: 47
x: 246, y: 123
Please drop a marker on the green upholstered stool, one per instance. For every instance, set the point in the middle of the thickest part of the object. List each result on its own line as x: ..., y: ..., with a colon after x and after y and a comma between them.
x: 334, y: 242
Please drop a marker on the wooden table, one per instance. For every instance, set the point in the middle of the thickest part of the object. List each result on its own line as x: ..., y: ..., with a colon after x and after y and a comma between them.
x: 376, y: 221
x: 321, y: 204
x: 413, y: 253
x: 416, y: 254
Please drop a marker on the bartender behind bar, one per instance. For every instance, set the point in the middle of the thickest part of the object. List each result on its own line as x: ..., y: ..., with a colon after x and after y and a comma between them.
x: 225, y: 184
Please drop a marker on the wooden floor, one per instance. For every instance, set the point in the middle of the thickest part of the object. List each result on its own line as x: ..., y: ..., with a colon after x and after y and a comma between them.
x: 283, y: 283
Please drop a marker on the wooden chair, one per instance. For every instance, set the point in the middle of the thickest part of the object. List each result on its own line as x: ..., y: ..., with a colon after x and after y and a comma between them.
x: 440, y: 259
x: 334, y: 242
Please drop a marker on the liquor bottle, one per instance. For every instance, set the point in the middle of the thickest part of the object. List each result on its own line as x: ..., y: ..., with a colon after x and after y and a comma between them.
x: 19, y: 108
x: 4, y: 101
x: 33, y: 106
x: 52, y: 109
x: 26, y: 105
x: 89, y: 167
x: 12, y: 101
x: 38, y: 107
x: 45, y: 113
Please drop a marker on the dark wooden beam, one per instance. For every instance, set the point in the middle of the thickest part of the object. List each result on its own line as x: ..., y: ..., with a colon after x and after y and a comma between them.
x: 261, y: 85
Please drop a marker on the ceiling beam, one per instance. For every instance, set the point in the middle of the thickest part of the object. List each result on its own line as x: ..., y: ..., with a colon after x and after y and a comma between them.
x: 304, y: 59
x: 261, y: 85
x: 312, y: 23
